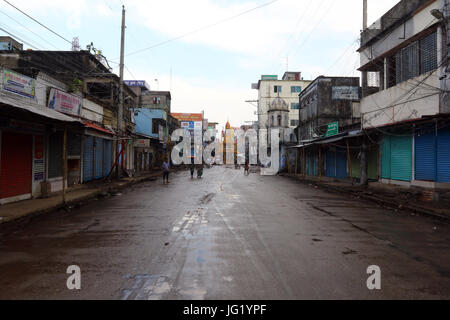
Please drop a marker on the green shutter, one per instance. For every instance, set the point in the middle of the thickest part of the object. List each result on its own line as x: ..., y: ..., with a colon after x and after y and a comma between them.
x: 401, y: 158
x: 373, y: 163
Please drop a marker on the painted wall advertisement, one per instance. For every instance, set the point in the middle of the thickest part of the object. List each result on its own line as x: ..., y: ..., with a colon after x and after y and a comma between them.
x: 345, y: 93
x: 64, y: 102
x: 39, y: 164
x: 19, y: 84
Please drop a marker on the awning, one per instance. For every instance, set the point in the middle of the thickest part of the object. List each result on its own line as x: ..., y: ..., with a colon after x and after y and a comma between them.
x: 96, y: 127
x: 19, y: 102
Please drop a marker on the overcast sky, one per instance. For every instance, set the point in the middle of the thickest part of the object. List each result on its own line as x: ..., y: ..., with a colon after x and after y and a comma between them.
x: 212, y: 69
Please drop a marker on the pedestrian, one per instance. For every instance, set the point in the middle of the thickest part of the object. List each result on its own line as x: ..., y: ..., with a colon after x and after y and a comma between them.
x: 192, y: 169
x: 200, y: 172
x: 166, y: 167
x: 247, y: 168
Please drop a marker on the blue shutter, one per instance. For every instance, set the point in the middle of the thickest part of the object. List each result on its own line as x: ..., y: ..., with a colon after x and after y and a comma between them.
x: 386, y: 158
x: 107, y: 157
x: 443, y: 156
x: 88, y: 159
x: 341, y: 164
x: 98, y: 158
x: 331, y: 164
x: 425, y: 156
x: 401, y: 158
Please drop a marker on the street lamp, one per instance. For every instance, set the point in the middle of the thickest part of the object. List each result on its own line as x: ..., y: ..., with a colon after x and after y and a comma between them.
x: 437, y: 14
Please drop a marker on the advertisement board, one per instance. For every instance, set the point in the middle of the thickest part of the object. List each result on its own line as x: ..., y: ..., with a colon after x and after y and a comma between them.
x: 64, y: 102
x: 345, y: 93
x: 19, y: 84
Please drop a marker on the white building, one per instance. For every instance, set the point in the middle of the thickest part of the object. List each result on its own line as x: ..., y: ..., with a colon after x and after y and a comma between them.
x: 404, y: 64
x: 288, y: 89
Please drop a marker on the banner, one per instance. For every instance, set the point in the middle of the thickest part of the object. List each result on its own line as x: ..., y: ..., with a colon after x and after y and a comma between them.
x: 19, y: 84
x: 64, y: 102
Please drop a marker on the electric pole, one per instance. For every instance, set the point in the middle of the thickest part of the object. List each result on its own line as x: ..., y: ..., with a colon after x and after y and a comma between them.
x: 364, y: 15
x: 121, y: 93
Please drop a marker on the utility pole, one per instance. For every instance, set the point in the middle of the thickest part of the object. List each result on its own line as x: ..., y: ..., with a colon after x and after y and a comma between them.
x: 364, y: 15
x: 121, y: 93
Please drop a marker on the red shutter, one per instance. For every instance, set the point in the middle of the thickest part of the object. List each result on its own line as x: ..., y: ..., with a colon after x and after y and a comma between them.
x: 16, y: 164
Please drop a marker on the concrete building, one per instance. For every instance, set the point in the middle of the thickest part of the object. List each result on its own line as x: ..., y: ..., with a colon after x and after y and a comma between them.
x: 405, y: 104
x: 288, y: 89
x: 325, y: 101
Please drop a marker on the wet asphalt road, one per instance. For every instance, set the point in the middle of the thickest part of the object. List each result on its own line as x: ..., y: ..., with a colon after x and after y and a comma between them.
x: 226, y: 237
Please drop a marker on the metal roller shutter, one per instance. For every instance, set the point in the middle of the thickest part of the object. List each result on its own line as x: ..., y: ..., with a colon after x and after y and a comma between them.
x: 425, y: 156
x: 443, y: 156
x: 88, y: 159
x: 98, y: 172
x: 331, y: 164
x: 401, y: 158
x: 108, y: 158
x: 341, y: 164
x: 16, y: 165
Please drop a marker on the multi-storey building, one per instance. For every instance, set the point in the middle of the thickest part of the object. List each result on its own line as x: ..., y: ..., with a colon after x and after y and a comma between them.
x: 270, y: 88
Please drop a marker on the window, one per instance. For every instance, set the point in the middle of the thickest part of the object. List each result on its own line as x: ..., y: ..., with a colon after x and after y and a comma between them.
x: 296, y: 89
x: 418, y: 58
x: 295, y: 123
x: 277, y: 89
x: 279, y: 121
x: 156, y: 100
x: 295, y: 106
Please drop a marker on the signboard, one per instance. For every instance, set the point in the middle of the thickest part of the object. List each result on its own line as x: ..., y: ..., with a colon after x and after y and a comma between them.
x: 188, y: 117
x: 19, y: 84
x: 39, y: 164
x: 5, y: 45
x: 142, y: 143
x: 64, y: 102
x: 345, y: 93
x: 269, y: 77
x: 137, y: 83
x: 333, y: 129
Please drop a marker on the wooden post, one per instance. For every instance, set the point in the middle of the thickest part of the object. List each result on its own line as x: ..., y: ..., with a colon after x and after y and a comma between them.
x: 349, y: 162
x: 296, y: 162
x: 64, y: 159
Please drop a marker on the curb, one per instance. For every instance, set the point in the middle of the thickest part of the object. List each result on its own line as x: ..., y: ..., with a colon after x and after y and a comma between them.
x: 379, y: 200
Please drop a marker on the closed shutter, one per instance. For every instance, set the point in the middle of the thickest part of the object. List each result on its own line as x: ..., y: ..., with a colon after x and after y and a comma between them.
x: 401, y: 158
x: 88, y: 159
x: 107, y: 157
x: 341, y: 164
x: 386, y: 158
x: 98, y: 172
x: 331, y: 164
x: 55, y: 155
x: 16, y: 165
x: 443, y: 156
x: 373, y: 163
x: 425, y: 156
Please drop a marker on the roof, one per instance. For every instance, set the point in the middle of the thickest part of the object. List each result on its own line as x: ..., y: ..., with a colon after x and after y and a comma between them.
x: 96, y: 127
x: 32, y: 106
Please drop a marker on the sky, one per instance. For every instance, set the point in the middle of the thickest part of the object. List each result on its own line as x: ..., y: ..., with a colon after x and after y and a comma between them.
x: 219, y: 47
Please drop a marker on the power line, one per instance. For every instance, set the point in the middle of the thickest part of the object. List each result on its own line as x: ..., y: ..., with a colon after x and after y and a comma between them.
x: 41, y: 24
x: 201, y: 29
x: 22, y: 25
x: 16, y: 37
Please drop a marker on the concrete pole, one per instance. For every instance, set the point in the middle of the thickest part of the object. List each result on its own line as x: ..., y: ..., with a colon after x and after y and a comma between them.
x: 364, y: 163
x: 64, y: 159
x: 121, y: 93
x: 364, y: 15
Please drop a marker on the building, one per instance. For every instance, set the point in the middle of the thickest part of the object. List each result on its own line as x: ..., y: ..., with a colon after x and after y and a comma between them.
x: 153, y: 123
x: 191, y: 122
x: 288, y: 89
x: 329, y: 131
x: 405, y: 103
x: 80, y: 96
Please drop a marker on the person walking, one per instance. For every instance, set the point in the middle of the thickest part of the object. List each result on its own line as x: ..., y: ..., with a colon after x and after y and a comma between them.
x: 166, y: 167
x: 247, y: 168
x: 192, y: 169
